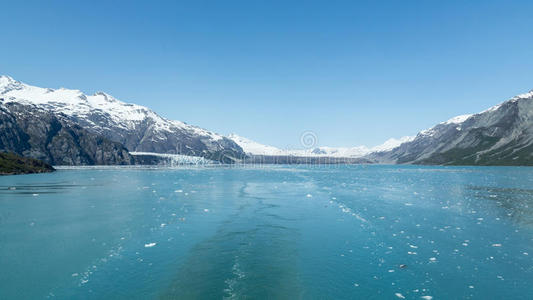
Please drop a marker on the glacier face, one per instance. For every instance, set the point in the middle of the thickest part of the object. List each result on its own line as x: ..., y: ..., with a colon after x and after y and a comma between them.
x: 136, y: 127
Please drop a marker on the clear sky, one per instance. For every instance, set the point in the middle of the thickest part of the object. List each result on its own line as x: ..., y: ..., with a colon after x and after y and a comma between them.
x: 353, y: 72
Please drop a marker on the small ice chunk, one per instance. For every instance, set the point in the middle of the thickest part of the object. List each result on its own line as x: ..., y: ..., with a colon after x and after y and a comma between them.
x: 178, y: 191
x: 35, y: 195
x: 74, y: 274
x: 309, y: 195
x: 149, y: 245
x: 496, y: 245
x: 399, y: 295
x: 206, y: 210
x: 427, y: 297
x: 432, y: 259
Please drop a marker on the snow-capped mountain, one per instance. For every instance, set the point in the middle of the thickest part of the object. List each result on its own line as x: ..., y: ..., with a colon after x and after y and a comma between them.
x: 391, y: 144
x: 136, y: 127
x: 500, y: 135
x: 254, y: 148
x: 64, y: 126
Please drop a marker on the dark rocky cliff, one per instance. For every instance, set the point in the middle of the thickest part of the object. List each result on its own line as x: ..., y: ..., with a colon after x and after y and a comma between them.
x: 33, y: 132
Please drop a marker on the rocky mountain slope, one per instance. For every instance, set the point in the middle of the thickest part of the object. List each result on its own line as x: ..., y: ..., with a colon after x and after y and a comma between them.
x: 138, y: 128
x: 501, y: 135
x: 33, y: 132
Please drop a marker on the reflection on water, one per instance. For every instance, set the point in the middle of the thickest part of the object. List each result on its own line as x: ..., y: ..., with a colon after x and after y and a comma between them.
x: 345, y: 232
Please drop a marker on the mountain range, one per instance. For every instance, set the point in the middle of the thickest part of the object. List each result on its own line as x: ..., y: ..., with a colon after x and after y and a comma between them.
x: 67, y: 127
x: 254, y: 148
x: 500, y: 135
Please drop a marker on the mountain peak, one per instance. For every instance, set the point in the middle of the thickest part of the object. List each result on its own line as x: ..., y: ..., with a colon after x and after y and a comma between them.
x: 5, y: 77
x: 5, y: 80
x: 106, y: 96
x: 7, y: 84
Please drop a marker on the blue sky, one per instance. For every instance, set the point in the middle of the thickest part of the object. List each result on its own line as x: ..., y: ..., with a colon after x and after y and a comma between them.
x: 353, y: 72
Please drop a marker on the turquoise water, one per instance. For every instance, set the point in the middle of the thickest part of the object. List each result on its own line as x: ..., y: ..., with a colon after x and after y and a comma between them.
x: 277, y: 232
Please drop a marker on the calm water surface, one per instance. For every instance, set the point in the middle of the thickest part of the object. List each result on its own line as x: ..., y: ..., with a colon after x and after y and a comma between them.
x: 277, y: 232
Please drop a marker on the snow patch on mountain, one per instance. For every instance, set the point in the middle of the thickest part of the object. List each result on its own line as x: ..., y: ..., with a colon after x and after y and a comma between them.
x: 392, y: 143
x: 457, y: 120
x: 253, y: 147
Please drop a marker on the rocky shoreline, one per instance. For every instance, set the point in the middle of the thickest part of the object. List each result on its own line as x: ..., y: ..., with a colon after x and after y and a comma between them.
x: 12, y: 164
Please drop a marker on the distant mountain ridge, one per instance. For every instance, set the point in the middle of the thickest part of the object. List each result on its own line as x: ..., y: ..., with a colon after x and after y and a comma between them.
x: 136, y: 127
x: 254, y: 148
x: 500, y: 135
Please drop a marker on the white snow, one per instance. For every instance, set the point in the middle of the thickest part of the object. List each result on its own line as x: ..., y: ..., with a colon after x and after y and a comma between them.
x: 523, y: 96
x: 392, y: 143
x: 458, y: 120
x: 252, y: 147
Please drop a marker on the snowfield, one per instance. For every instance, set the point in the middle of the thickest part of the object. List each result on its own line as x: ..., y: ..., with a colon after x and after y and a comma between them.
x: 255, y: 148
